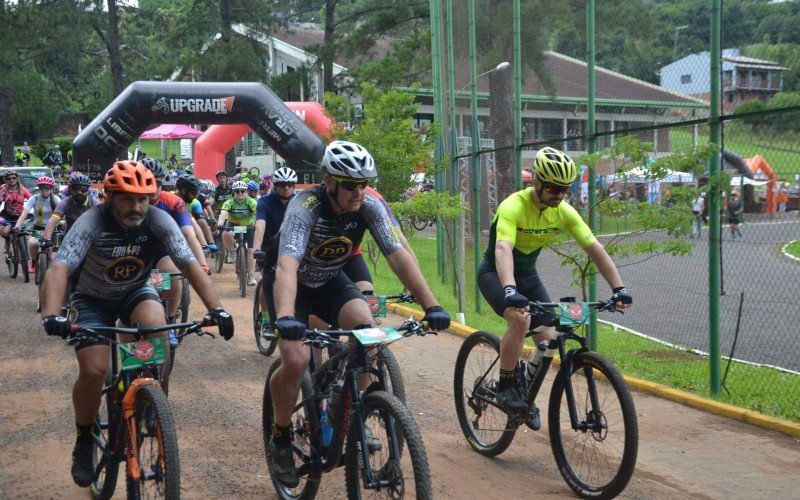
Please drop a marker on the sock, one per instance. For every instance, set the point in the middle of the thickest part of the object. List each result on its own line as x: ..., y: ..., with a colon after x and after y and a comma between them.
x: 84, y: 432
x: 506, y: 379
x: 281, y: 436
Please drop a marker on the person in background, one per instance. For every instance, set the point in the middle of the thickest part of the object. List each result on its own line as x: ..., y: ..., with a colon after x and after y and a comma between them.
x: 252, y: 190
x: 735, y: 215
x: 782, y: 198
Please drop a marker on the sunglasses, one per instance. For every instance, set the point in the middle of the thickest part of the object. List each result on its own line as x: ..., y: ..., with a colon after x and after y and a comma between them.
x: 284, y: 185
x: 555, y: 189
x: 239, y: 191
x: 45, y: 188
x: 350, y: 184
x: 11, y: 178
x: 79, y: 190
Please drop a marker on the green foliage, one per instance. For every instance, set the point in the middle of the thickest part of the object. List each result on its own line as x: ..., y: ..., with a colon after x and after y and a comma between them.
x: 34, y: 103
x: 673, y: 218
x: 751, y: 107
x: 787, y: 121
x: 430, y: 205
x: 386, y: 132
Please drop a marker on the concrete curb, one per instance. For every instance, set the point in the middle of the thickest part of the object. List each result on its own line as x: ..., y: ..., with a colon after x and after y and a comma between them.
x: 678, y: 396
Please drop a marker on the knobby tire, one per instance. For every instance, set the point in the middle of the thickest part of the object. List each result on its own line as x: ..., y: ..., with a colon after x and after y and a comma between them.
x: 594, y: 463
x: 489, y: 432
x: 400, y: 473
x: 241, y: 266
x: 105, y: 425
x: 266, y: 345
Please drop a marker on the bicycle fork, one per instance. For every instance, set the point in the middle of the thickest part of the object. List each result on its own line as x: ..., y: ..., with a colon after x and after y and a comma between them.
x: 577, y: 424
x: 131, y: 437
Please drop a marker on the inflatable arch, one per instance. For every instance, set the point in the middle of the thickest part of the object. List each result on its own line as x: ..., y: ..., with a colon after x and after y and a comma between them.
x: 210, y: 148
x: 143, y: 104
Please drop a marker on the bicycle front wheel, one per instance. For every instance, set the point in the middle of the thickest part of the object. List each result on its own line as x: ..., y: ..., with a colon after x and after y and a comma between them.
x: 265, y: 340
x: 42, y: 263
x: 219, y: 256
x: 596, y: 457
x: 475, y: 380
x: 105, y: 425
x: 158, y: 447
x: 395, y: 474
x: 241, y: 269
x: 419, y: 224
x: 304, y: 426
x: 22, y: 252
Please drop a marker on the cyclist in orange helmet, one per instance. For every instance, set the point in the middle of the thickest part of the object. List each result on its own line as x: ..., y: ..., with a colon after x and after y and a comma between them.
x: 107, y: 255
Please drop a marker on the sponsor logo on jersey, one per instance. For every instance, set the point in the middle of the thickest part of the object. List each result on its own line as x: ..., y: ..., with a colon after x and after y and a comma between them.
x: 332, y: 251
x: 125, y: 269
x: 533, y: 230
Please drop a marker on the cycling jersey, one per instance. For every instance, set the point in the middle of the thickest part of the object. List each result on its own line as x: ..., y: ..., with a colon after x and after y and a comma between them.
x: 196, y: 209
x: 70, y: 211
x: 322, y: 241
x: 106, y: 261
x: 14, y: 202
x: 271, y: 210
x: 41, y: 208
x: 221, y: 195
x: 519, y: 221
x: 395, y: 223
x: 240, y: 214
x: 174, y: 205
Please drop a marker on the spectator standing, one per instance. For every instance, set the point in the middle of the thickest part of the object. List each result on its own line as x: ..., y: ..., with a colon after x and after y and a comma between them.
x: 782, y: 197
x: 734, y: 216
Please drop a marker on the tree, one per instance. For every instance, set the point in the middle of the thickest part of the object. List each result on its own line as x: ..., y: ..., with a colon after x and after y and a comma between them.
x: 655, y: 229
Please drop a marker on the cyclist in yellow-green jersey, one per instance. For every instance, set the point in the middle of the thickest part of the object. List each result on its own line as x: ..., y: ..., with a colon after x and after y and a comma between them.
x: 524, y: 223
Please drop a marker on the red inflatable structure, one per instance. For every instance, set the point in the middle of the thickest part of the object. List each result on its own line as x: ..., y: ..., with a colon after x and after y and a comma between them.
x: 763, y: 172
x: 211, y: 147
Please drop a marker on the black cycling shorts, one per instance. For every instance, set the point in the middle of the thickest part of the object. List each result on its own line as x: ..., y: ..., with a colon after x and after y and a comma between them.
x: 326, y: 301
x: 356, y: 269
x: 528, y: 285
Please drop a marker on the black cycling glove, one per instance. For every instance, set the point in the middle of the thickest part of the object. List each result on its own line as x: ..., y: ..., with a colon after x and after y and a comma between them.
x: 290, y: 329
x: 224, y: 322
x: 259, y: 255
x: 621, y: 295
x: 514, y: 298
x: 437, y: 318
x: 58, y: 326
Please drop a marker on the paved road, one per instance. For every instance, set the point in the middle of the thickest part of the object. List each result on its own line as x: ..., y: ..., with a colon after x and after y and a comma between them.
x: 671, y: 294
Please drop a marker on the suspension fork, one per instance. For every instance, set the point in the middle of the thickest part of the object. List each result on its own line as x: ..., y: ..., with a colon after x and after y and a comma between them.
x: 131, y: 437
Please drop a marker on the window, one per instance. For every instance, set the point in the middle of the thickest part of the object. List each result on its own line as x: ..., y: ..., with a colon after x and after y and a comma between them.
x: 686, y: 79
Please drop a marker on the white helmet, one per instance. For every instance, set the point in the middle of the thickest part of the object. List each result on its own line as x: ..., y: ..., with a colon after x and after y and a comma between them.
x: 348, y: 159
x: 239, y: 185
x: 284, y: 174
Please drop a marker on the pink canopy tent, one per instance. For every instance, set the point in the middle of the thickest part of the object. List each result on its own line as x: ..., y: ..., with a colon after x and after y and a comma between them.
x: 169, y: 131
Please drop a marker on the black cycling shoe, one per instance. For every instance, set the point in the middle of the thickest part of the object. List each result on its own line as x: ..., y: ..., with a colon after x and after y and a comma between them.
x: 82, y: 468
x: 510, y: 401
x: 534, y: 422
x: 283, y: 466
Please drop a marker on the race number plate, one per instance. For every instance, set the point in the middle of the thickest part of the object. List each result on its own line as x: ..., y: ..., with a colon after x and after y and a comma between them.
x: 135, y: 355
x: 369, y: 336
x: 239, y: 229
x: 162, y: 282
x: 573, y: 313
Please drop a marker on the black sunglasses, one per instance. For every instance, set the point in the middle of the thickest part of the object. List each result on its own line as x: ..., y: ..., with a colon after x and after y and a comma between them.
x: 555, y: 188
x: 239, y: 191
x: 284, y: 184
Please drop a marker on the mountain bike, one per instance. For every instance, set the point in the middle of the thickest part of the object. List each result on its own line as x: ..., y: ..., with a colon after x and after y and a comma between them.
x: 591, y: 416
x: 43, y: 263
x: 240, y: 252
x: 221, y: 253
x: 376, y: 436
x: 135, y: 422
x: 17, y: 254
x: 162, y: 282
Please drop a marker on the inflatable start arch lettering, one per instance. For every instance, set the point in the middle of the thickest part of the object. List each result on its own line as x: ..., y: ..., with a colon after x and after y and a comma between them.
x: 143, y: 104
x: 210, y: 148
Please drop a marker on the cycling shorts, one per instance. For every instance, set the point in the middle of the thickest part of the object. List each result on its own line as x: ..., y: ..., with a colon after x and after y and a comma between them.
x: 89, y: 311
x: 528, y: 284
x: 356, y: 269
x: 326, y: 301
x: 248, y: 237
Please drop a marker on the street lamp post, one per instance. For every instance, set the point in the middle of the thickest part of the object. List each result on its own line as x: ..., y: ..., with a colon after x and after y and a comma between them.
x: 675, y: 43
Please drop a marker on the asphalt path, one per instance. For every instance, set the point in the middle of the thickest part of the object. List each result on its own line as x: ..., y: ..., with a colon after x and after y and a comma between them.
x: 671, y: 293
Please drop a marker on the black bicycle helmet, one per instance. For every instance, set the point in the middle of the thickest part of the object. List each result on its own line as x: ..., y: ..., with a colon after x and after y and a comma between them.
x: 221, y: 172
x: 155, y: 166
x: 79, y: 179
x: 190, y: 182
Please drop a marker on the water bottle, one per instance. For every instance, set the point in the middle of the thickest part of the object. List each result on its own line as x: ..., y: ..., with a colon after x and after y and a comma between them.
x: 327, y: 430
x: 535, y: 360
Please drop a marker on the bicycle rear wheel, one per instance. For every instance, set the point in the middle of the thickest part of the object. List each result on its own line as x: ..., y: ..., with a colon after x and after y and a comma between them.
x: 12, y: 266
x: 419, y: 224
x: 266, y: 341
x: 105, y: 425
x: 596, y: 459
x: 304, y: 428
x: 241, y: 269
x: 399, y: 474
x: 475, y: 380
x: 158, y: 447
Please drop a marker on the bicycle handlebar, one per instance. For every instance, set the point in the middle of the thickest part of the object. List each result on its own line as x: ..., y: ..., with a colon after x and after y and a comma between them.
x: 600, y: 305
x: 324, y: 338
x: 85, y: 332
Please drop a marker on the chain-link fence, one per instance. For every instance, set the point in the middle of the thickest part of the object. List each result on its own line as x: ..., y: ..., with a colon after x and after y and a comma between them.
x: 537, y: 90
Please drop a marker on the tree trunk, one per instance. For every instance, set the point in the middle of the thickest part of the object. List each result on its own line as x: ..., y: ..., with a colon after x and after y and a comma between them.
x: 327, y: 52
x: 6, y: 139
x: 113, y: 47
x: 501, y: 127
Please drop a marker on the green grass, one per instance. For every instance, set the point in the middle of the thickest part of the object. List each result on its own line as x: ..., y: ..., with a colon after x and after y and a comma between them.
x: 793, y: 248
x: 758, y: 388
x: 781, y: 152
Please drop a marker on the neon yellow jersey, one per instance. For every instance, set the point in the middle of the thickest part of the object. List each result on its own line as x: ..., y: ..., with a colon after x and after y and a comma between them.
x: 519, y: 221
